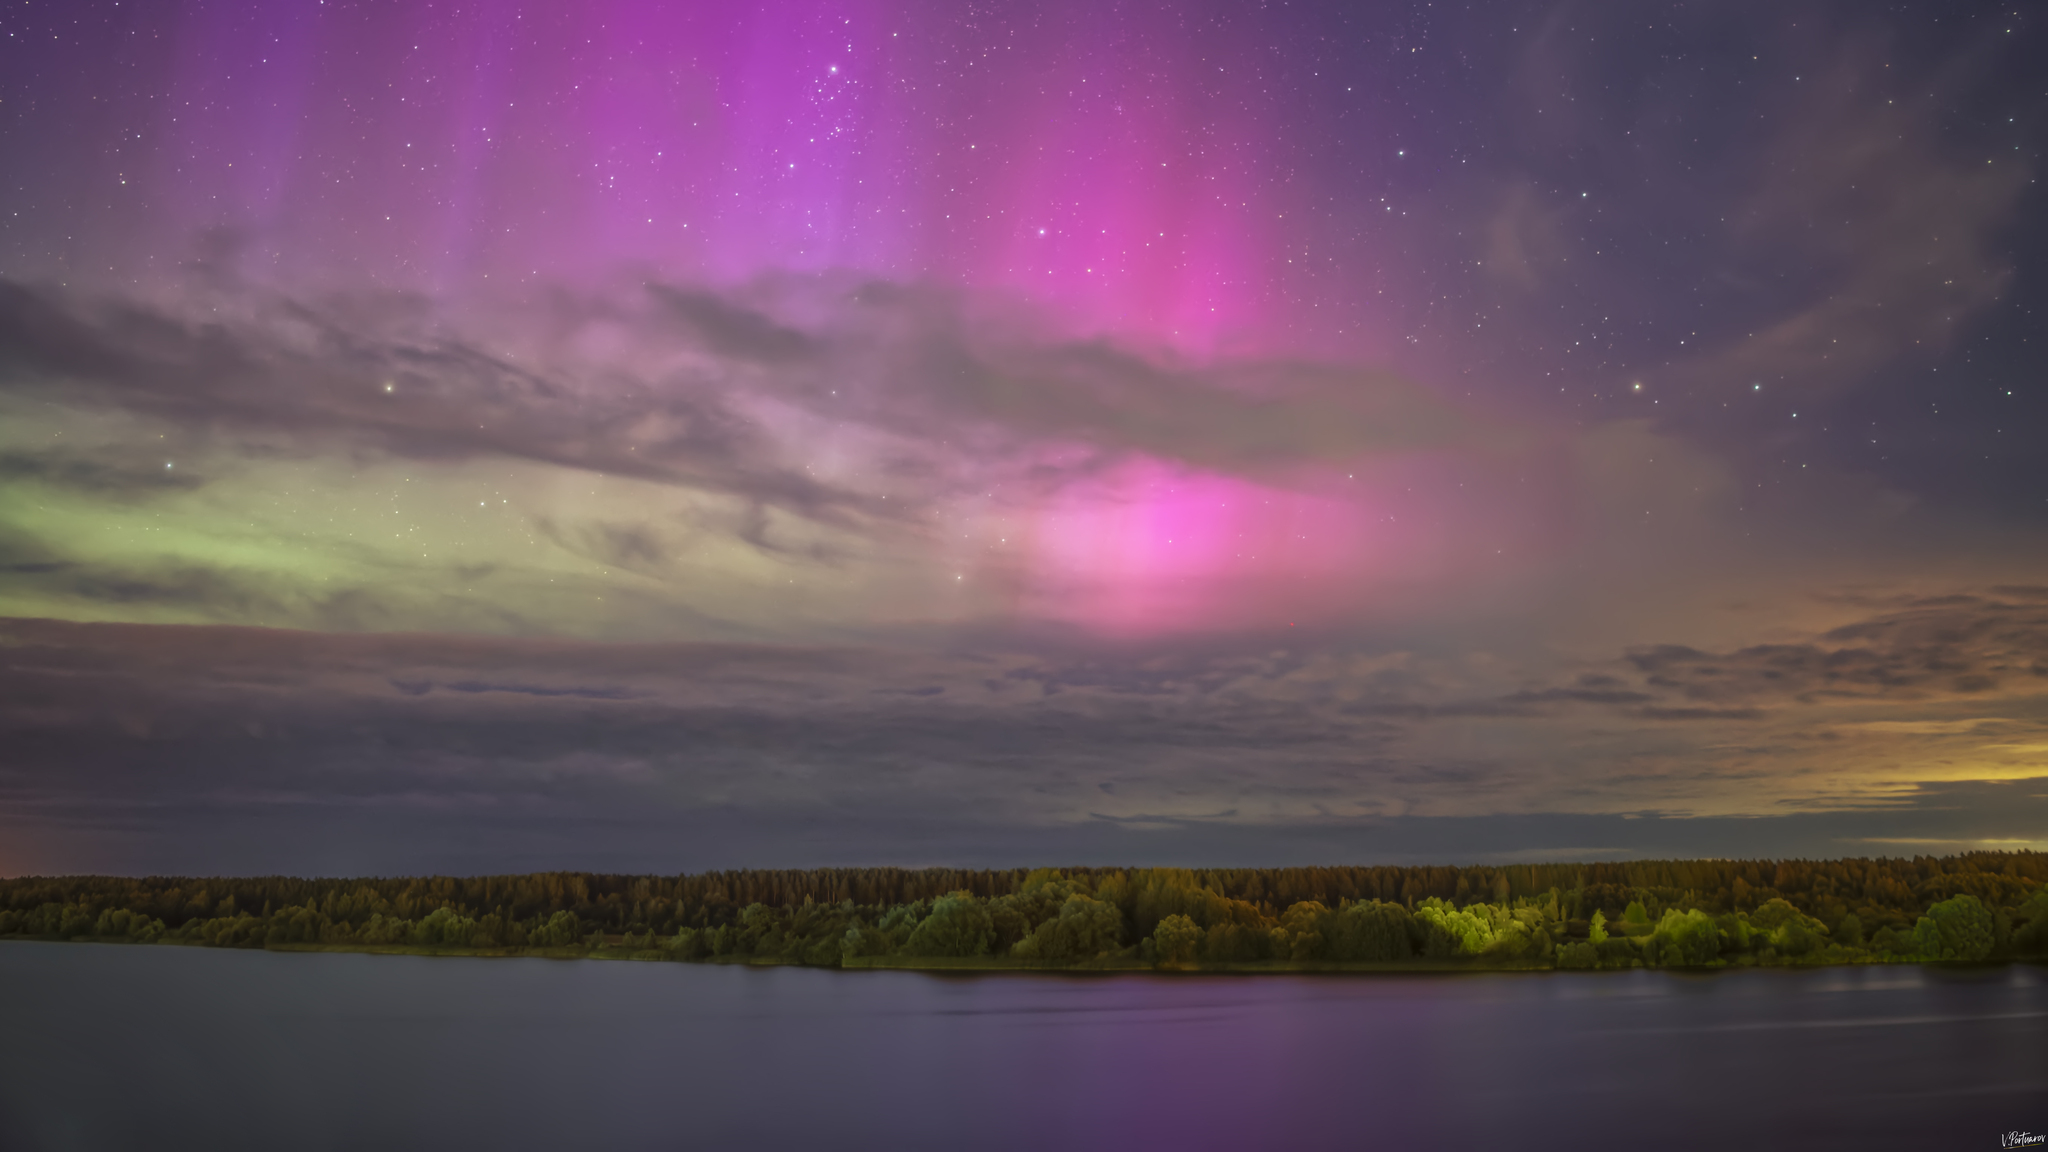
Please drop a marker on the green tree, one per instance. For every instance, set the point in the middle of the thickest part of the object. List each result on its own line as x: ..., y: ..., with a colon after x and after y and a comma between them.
x: 1773, y: 914
x: 1231, y: 943
x: 1516, y: 941
x: 1577, y: 954
x: 560, y: 930
x: 444, y: 926
x: 1300, y: 934
x: 1797, y: 937
x: 2030, y: 936
x: 1085, y: 929
x: 1175, y: 940
x: 78, y: 921
x: 1597, y: 934
x: 1370, y: 930
x: 686, y: 944
x: 1688, y: 939
x: 900, y: 921
x: 959, y: 925
x: 1451, y: 931
x: 862, y: 940
x: 1013, y: 917
x: 1849, y: 931
x: 1959, y: 928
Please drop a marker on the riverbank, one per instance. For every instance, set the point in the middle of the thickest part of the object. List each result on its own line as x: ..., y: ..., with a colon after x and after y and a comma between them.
x: 1699, y: 914
x: 1103, y: 965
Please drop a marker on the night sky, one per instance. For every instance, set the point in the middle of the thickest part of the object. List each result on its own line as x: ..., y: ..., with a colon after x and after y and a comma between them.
x: 492, y: 436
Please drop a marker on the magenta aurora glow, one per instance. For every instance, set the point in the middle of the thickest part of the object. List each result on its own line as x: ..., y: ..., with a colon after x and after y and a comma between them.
x: 481, y: 437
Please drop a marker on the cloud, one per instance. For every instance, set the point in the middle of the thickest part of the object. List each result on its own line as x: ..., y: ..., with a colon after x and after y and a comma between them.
x: 731, y: 329
x: 635, y: 547
x: 877, y: 436
x: 51, y: 576
x: 1919, y: 649
x: 473, y: 687
x: 28, y: 563
x: 242, y: 725
x: 121, y: 480
x: 672, y: 400
x: 364, y: 375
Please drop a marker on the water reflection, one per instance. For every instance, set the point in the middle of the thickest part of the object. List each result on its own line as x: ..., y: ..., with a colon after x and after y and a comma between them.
x: 112, y: 1047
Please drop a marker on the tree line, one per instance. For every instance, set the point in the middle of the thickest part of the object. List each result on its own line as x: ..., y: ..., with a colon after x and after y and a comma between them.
x: 1669, y: 913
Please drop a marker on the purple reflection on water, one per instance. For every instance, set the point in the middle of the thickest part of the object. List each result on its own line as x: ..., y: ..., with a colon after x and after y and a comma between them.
x: 170, y: 1047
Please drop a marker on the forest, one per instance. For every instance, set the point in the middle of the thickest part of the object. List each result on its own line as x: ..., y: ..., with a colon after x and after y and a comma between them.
x: 1976, y: 907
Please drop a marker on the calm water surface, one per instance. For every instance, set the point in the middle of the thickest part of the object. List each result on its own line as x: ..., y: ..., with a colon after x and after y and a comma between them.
x: 107, y: 1047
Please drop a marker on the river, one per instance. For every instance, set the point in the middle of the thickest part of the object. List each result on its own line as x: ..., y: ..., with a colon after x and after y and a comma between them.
x: 115, y: 1047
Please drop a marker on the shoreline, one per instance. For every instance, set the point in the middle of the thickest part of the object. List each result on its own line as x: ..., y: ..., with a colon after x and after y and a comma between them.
x: 1699, y: 915
x: 1004, y: 965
